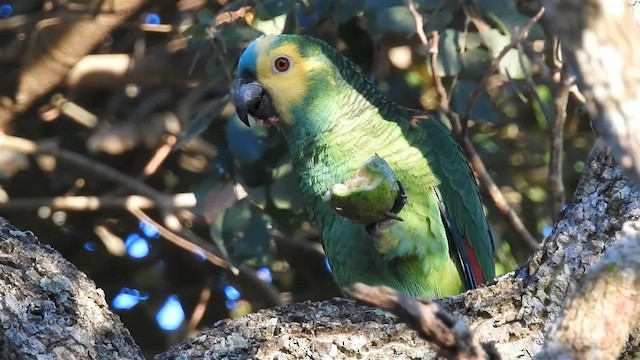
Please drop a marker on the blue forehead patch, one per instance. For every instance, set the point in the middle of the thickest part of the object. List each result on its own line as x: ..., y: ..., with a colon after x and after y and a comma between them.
x: 247, y: 61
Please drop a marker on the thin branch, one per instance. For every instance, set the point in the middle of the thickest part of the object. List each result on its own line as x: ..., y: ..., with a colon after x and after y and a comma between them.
x: 32, y: 148
x: 556, y: 184
x: 161, y: 154
x: 297, y: 242
x: 196, y: 245
x: 201, y: 307
x: 181, y: 241
x: 520, y: 36
x: 448, y: 335
x: 94, y: 203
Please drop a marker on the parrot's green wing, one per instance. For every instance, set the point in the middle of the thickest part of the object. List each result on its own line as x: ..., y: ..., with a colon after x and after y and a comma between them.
x: 468, y: 230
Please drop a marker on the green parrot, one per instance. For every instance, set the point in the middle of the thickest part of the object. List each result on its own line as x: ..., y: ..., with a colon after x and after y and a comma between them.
x: 431, y: 238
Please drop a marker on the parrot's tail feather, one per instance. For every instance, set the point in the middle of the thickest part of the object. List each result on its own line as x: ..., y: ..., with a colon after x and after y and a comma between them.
x: 476, y: 269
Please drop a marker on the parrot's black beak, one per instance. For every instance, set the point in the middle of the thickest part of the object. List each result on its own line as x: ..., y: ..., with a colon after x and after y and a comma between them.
x: 251, y: 99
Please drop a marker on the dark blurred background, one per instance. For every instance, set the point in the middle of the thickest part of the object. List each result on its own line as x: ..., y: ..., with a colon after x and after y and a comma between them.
x: 224, y: 233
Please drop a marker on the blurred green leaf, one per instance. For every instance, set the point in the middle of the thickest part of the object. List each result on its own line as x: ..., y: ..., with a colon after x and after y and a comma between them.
x: 506, y: 13
x: 195, y: 32
x: 382, y: 4
x: 202, y: 121
x: 438, y: 21
x: 255, y: 246
x: 245, y: 143
x: 344, y: 10
x: 515, y: 64
x: 269, y: 9
x: 234, y: 34
x: 235, y: 220
x: 512, y: 63
x: 396, y: 19
x: 245, y: 233
x: 482, y: 109
x: 311, y: 12
x: 474, y: 63
x: 449, y: 53
x: 285, y: 193
x: 494, y: 40
x: 439, y: 5
x: 206, y: 16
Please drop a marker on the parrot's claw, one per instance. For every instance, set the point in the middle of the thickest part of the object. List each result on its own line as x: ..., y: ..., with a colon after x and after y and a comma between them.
x: 393, y: 216
x: 401, y: 200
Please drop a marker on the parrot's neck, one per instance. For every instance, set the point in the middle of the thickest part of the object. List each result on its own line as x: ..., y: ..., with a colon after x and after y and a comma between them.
x: 337, y: 118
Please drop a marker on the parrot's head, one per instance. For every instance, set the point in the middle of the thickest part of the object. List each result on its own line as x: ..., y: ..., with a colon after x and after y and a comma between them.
x: 276, y: 74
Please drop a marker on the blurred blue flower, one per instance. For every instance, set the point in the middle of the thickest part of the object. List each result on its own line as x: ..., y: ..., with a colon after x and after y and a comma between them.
x: 231, y: 293
x: 149, y: 230
x: 171, y: 314
x: 264, y: 274
x: 231, y: 305
x: 152, y: 19
x: 90, y: 246
x: 6, y: 11
x: 127, y: 299
x: 136, y: 246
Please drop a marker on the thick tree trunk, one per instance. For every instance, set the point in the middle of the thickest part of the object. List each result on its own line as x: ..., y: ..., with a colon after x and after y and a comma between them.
x: 516, y: 311
x: 49, y: 309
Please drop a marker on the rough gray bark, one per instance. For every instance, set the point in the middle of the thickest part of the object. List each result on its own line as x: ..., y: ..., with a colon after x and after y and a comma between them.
x: 600, y: 41
x: 515, y: 311
x: 49, y: 309
x: 609, y: 292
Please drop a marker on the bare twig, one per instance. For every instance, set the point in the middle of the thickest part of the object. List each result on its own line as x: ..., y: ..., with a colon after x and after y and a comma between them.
x: 196, y: 245
x: 437, y: 80
x: 93, y: 203
x: 556, y: 184
x: 297, y: 242
x: 226, y: 17
x: 181, y: 241
x: 30, y: 147
x: 473, y: 14
x: 449, y: 336
x: 201, y: 307
x: 159, y: 156
x: 520, y: 36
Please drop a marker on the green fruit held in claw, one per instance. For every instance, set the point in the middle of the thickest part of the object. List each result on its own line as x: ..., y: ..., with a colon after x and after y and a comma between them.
x: 367, y: 197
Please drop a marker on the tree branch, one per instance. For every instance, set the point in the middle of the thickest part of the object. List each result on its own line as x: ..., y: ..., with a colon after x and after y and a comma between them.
x: 449, y: 336
x: 600, y: 315
x: 556, y: 152
x: 49, y: 309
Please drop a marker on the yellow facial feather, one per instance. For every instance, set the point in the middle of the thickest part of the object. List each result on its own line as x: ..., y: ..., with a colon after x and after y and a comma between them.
x: 287, y: 88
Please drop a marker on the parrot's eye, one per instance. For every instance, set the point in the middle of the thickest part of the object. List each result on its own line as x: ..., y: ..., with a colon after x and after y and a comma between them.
x: 281, y: 64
